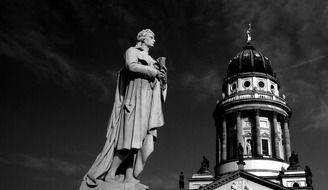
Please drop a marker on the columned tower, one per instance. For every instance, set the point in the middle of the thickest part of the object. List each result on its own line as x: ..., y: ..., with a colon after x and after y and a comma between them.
x: 255, y: 114
x: 253, y: 149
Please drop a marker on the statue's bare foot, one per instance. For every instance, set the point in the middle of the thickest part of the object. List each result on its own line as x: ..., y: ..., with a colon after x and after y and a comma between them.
x: 119, y: 178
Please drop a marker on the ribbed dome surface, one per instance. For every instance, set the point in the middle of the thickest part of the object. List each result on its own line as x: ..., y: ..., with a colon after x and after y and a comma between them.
x: 249, y: 60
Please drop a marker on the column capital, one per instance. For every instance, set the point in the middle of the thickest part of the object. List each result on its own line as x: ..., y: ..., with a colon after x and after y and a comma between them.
x: 222, y: 117
x: 218, y: 121
x: 257, y: 112
x: 285, y: 118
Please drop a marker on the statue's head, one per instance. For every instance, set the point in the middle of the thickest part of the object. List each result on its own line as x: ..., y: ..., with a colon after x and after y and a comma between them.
x: 147, y: 37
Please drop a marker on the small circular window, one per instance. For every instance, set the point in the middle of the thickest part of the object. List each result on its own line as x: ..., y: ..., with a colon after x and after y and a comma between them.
x: 272, y: 87
x: 234, y: 86
x: 261, y: 84
x: 247, y: 84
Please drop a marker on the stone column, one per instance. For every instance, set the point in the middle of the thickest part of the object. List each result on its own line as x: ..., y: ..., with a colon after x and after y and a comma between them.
x: 218, y: 144
x: 287, y: 139
x: 239, y: 130
x: 258, y: 133
x: 224, y: 140
x: 276, y: 135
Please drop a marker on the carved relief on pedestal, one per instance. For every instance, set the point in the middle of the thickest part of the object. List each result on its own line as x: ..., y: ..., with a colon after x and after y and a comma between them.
x: 239, y: 185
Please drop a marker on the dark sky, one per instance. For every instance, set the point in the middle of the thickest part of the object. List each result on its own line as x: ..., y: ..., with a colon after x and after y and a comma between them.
x: 59, y: 61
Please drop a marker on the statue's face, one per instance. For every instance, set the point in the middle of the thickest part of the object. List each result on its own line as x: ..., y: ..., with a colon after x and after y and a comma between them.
x: 149, y: 40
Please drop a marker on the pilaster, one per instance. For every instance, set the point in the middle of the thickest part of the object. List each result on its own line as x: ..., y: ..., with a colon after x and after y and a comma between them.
x: 287, y: 139
x: 239, y: 129
x: 276, y: 135
x: 224, y: 140
x: 258, y: 133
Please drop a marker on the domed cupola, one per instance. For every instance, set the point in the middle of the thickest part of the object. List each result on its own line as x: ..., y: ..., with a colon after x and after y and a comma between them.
x: 250, y: 70
x: 252, y: 117
x: 249, y: 60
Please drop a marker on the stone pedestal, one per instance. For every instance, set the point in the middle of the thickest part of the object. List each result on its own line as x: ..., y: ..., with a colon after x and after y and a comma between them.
x: 200, y: 180
x: 103, y: 185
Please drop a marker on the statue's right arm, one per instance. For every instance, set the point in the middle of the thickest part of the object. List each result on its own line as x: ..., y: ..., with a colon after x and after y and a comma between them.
x: 132, y: 64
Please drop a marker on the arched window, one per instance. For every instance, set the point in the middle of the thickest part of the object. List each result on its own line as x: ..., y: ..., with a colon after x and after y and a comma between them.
x: 296, y: 184
x: 265, y: 147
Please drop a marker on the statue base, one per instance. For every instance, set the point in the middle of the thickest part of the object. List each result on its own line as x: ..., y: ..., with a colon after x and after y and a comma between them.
x: 103, y: 185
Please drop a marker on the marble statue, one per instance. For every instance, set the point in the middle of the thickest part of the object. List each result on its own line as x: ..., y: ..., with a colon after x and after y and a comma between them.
x: 248, y: 147
x: 136, y: 116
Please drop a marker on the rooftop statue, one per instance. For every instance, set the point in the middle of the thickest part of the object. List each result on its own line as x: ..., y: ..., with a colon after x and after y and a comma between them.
x: 136, y: 116
x: 248, y: 33
x: 308, y: 176
x: 181, y: 181
x: 294, y: 163
x: 293, y: 159
x: 204, y: 166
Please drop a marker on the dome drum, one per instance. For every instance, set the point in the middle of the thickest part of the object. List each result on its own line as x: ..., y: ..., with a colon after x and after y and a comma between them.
x: 251, y: 84
x: 262, y: 134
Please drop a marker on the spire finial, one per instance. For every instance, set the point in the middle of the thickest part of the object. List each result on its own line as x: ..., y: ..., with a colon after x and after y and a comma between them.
x: 248, y: 32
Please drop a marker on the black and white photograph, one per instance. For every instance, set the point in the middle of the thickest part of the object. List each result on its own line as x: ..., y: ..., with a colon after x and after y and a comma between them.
x: 163, y: 94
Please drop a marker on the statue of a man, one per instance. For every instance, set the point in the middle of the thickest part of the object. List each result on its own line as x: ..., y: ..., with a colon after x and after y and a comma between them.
x: 181, y: 181
x: 248, y: 147
x: 136, y: 116
x: 308, y: 176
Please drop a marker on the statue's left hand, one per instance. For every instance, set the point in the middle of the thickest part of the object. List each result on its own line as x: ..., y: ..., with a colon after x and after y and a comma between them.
x: 164, y: 77
x: 156, y: 66
x: 161, y: 74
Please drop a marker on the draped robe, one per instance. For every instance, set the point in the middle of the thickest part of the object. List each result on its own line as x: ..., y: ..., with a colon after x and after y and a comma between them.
x: 136, y: 115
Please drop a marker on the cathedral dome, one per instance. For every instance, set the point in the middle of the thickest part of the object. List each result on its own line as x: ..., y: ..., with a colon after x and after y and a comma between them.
x: 249, y: 60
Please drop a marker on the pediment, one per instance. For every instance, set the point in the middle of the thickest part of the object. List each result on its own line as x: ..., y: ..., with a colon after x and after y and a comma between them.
x: 241, y: 180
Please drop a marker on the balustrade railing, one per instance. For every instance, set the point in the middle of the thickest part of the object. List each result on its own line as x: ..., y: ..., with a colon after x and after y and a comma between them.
x: 253, y: 95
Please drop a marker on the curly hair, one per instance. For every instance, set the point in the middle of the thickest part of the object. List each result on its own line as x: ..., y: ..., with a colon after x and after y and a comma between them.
x: 143, y: 33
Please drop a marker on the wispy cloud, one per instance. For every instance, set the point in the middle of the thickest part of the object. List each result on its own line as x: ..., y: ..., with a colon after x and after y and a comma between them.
x: 4, y: 160
x: 168, y: 181
x: 103, y: 85
x: 319, y: 118
x: 30, y: 49
x: 308, y: 98
x: 45, y: 164
x: 204, y: 85
x: 310, y: 61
